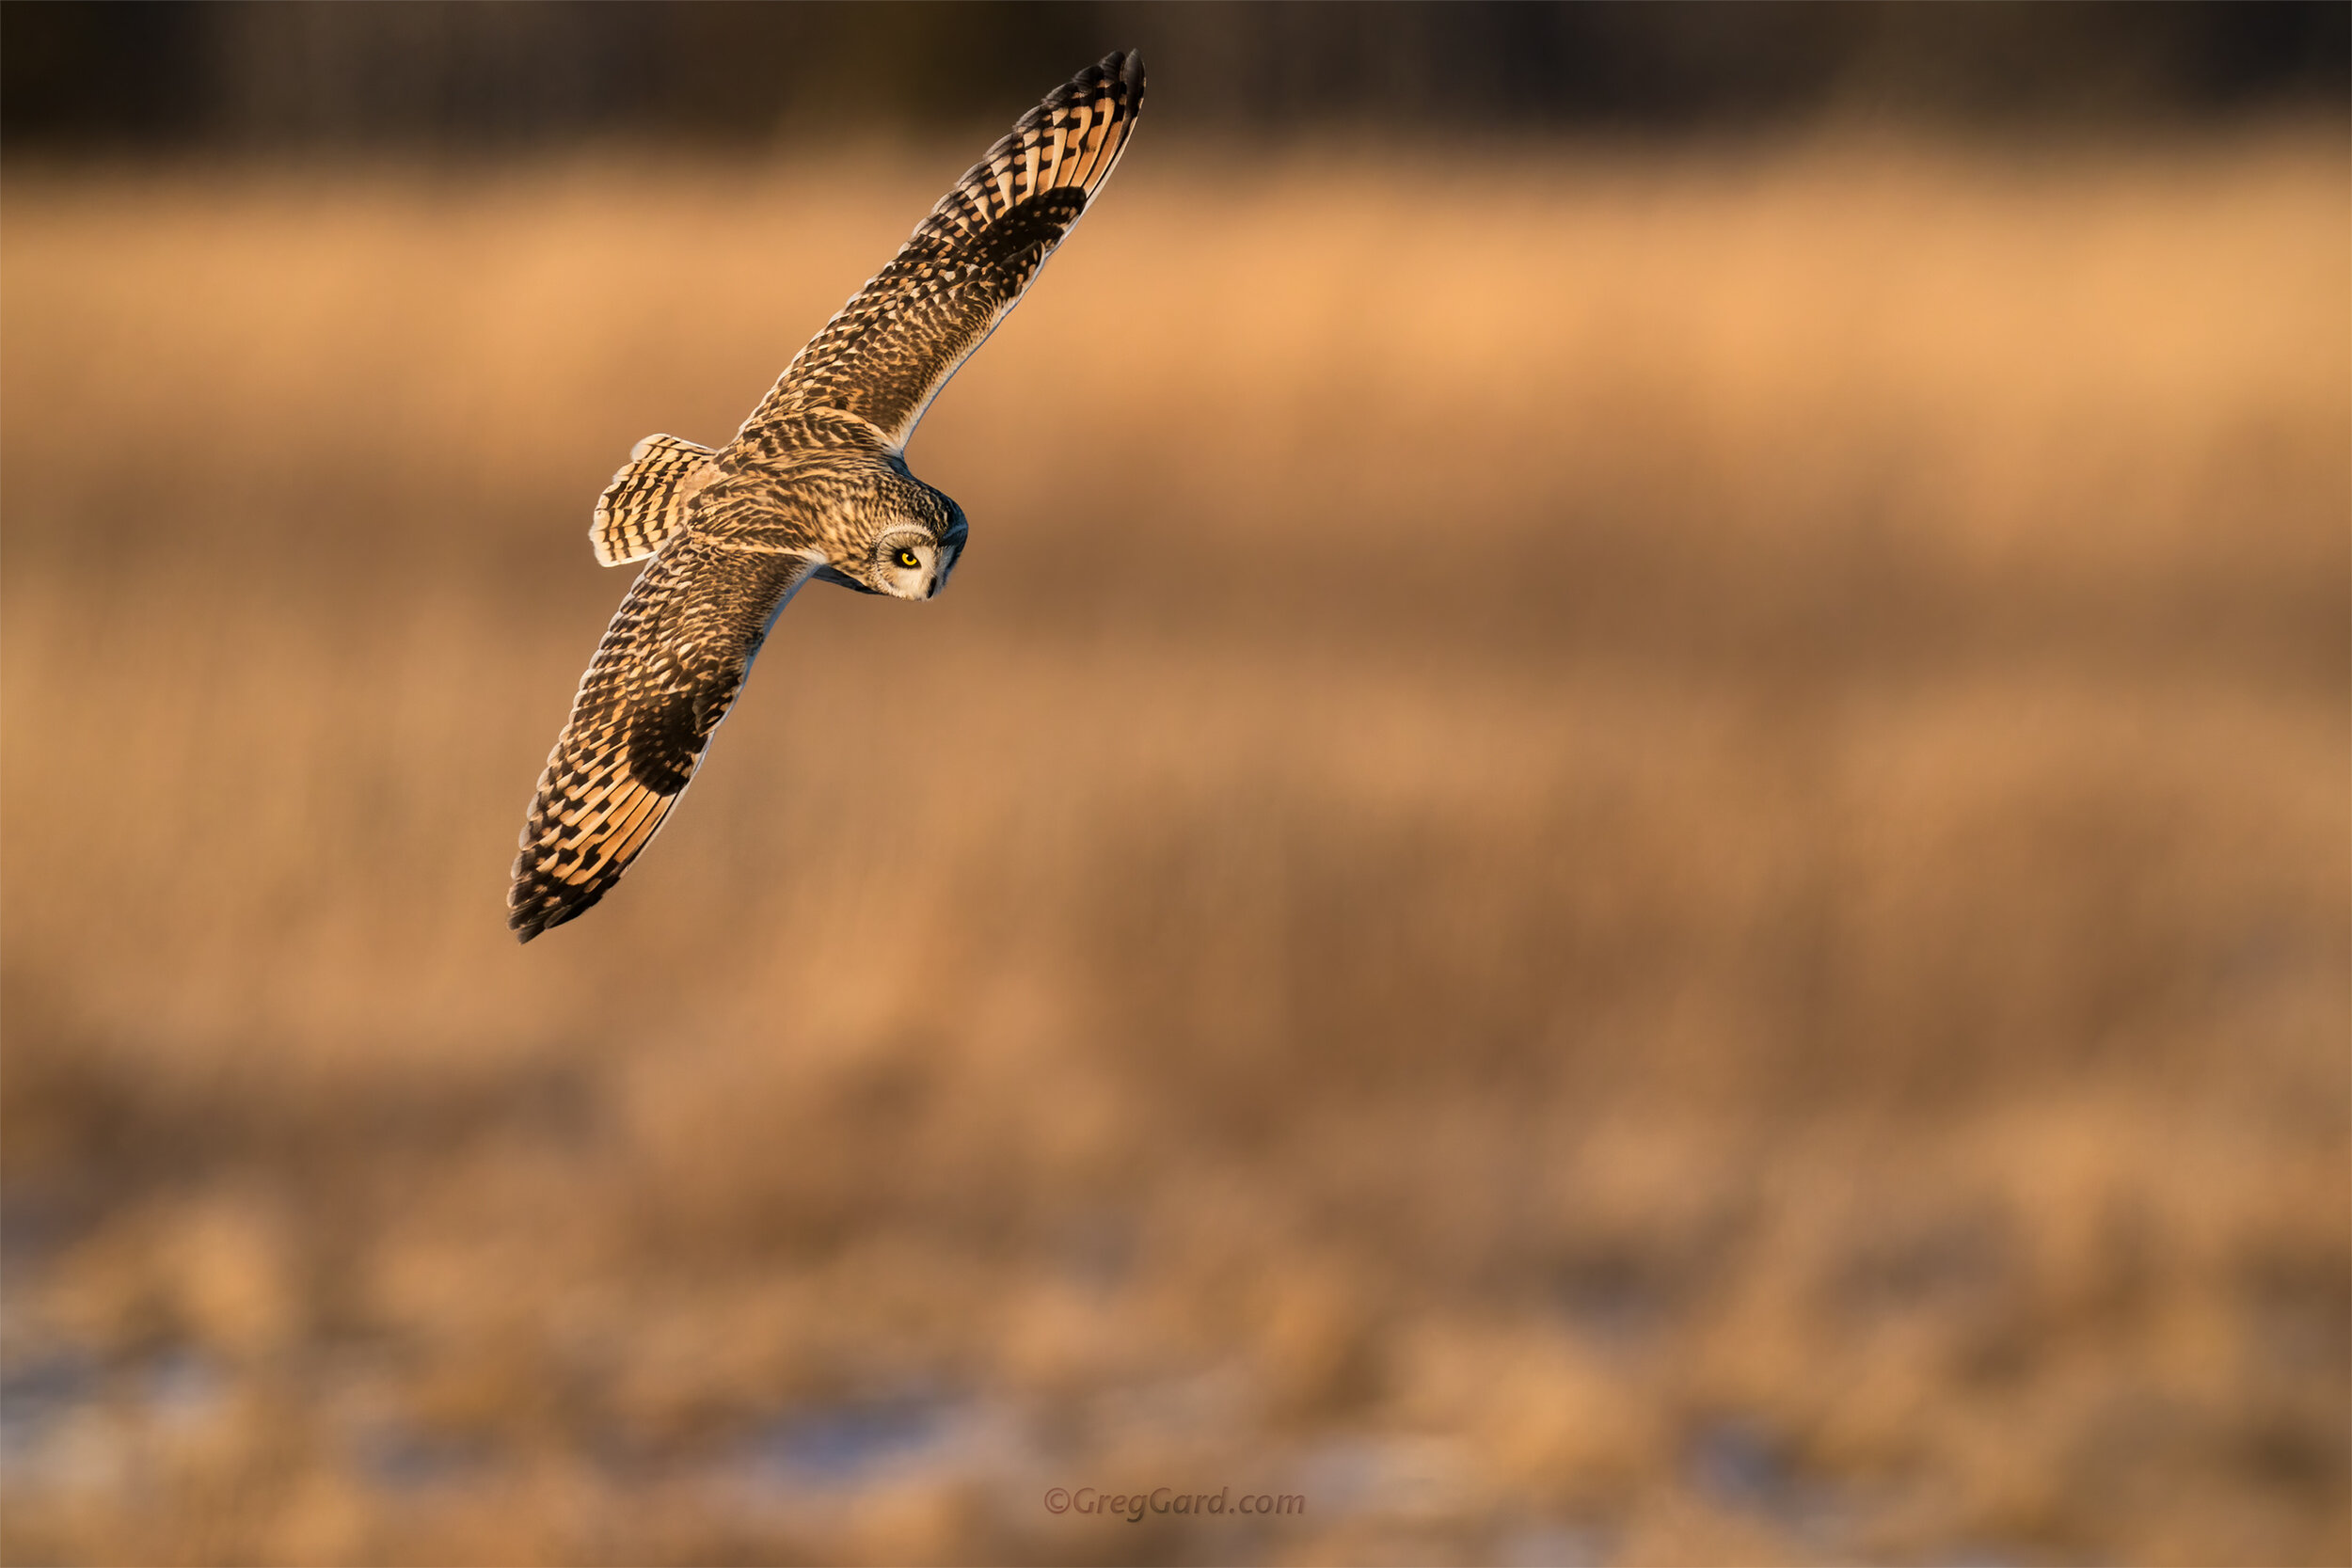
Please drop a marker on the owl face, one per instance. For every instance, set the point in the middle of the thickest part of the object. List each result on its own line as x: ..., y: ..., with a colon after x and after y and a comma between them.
x: 911, y: 563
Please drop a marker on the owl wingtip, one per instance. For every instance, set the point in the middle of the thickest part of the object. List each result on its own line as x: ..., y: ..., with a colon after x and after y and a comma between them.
x: 1124, y: 66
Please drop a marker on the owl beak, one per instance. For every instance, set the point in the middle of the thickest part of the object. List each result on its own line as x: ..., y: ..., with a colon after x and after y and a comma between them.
x: 939, y: 572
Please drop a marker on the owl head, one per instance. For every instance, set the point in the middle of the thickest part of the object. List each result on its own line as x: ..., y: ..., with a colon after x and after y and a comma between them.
x: 908, y: 547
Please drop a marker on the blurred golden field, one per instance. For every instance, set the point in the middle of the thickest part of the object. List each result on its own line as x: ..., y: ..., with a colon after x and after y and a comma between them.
x: 1607, y: 857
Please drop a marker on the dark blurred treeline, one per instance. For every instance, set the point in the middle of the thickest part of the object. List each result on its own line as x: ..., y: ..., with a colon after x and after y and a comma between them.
x: 455, y: 77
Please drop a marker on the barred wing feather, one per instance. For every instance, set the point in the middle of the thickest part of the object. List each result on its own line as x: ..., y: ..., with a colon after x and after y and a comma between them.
x: 889, y: 351
x: 667, y: 670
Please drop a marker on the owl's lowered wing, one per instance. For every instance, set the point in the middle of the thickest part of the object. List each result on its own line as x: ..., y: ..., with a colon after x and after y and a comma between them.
x: 666, y: 672
x: 890, y: 350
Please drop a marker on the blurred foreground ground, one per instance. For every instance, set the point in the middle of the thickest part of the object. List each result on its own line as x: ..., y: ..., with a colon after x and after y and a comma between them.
x: 1610, y: 859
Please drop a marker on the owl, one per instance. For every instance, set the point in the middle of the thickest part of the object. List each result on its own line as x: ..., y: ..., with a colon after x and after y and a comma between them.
x: 814, y: 488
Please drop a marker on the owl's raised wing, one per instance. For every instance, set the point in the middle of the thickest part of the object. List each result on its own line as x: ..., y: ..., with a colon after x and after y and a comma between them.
x: 665, y: 673
x: 890, y: 350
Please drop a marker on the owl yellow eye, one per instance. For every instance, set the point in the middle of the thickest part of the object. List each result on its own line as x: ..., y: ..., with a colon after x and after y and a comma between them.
x: 910, y: 560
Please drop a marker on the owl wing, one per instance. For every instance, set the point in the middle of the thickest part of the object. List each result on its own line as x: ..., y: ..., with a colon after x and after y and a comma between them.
x: 889, y: 351
x: 668, y: 669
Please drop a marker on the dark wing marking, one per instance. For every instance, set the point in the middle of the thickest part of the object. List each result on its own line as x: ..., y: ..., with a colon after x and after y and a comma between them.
x: 666, y: 672
x: 890, y: 350
x: 648, y: 499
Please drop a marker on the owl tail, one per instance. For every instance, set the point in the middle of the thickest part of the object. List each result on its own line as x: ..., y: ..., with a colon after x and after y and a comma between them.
x: 646, y: 499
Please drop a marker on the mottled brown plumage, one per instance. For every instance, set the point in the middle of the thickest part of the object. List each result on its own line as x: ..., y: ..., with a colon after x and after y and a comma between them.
x: 813, y: 487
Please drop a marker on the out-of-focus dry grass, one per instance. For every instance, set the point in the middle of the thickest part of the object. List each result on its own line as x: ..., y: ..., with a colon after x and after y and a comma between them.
x: 1617, y: 858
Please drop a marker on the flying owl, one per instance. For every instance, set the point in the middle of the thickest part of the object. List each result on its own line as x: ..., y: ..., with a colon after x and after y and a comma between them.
x: 814, y: 488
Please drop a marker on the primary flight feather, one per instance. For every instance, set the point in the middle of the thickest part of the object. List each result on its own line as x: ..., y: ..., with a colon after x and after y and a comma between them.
x: 813, y: 487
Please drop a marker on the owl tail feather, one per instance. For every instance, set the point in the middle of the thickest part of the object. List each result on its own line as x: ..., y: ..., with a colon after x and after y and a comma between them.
x: 646, y: 499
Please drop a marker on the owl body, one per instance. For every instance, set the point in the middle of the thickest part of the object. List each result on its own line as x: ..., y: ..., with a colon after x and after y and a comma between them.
x: 842, y: 500
x: 814, y: 488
